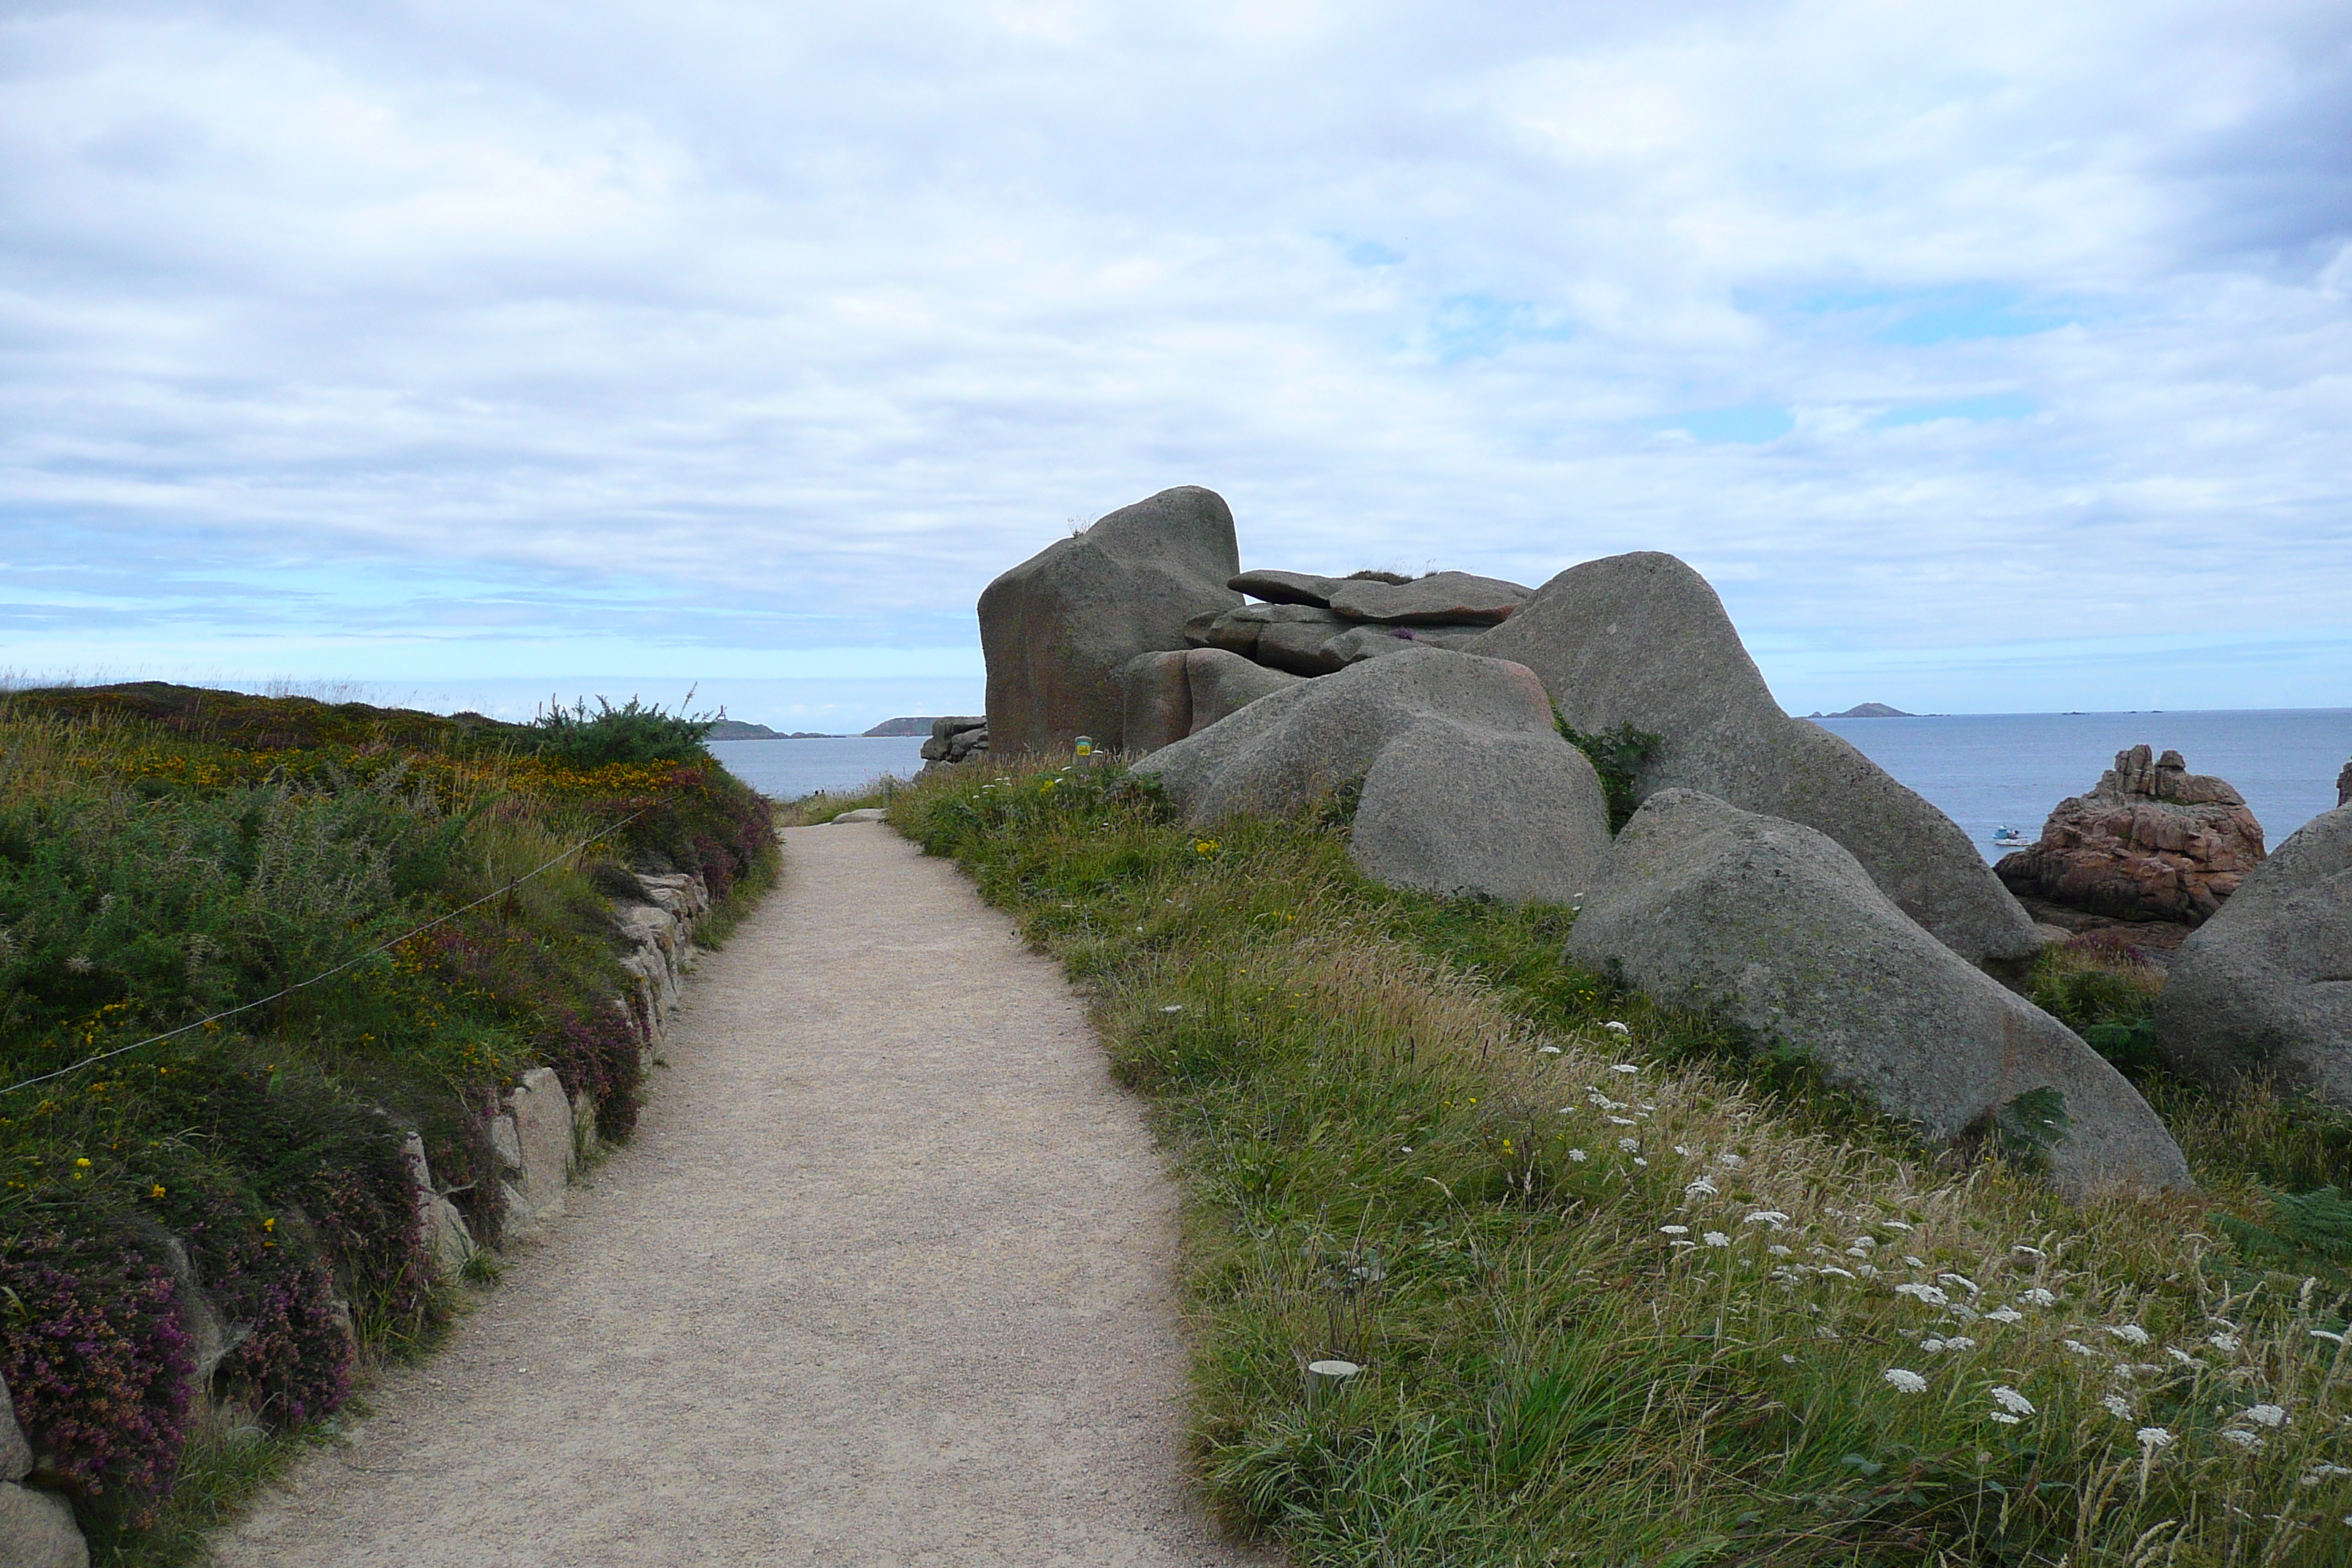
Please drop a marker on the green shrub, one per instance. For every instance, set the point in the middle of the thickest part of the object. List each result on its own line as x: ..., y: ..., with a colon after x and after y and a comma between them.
x: 632, y: 732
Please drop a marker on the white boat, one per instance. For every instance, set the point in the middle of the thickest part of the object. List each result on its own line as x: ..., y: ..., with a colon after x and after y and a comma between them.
x: 2010, y: 838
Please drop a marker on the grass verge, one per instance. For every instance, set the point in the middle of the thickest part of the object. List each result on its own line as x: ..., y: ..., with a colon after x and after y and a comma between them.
x: 1627, y: 1287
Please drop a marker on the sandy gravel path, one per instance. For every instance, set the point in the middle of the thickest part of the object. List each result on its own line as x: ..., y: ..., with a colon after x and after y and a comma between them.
x: 885, y: 1276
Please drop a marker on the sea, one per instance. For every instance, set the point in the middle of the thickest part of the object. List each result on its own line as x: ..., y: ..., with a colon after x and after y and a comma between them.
x: 1986, y: 770
x: 786, y: 770
x: 1990, y: 770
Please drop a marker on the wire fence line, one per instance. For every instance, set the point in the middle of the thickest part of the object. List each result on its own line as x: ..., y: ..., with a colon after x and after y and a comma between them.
x: 284, y: 991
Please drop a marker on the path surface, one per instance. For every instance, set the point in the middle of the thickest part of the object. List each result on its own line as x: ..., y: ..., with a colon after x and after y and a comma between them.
x: 885, y: 1276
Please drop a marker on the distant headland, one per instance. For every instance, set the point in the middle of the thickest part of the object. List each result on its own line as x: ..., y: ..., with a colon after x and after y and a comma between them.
x: 743, y: 730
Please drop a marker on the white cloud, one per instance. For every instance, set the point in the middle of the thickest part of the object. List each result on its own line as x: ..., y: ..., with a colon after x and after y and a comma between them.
x: 339, y: 337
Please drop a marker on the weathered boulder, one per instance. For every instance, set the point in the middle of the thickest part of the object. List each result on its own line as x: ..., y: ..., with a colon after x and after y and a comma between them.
x: 446, y: 1239
x: 1301, y: 639
x: 15, y: 1454
x: 1466, y: 784
x: 1224, y: 683
x: 2151, y: 841
x: 1155, y: 699
x: 1643, y: 639
x: 1285, y: 587
x: 2344, y: 785
x: 536, y: 1145
x: 1780, y: 929
x: 1057, y: 628
x: 956, y: 738
x: 37, y: 1530
x: 2265, y: 986
x: 1441, y: 597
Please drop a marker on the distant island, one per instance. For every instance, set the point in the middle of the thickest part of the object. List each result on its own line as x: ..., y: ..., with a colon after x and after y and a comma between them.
x: 1867, y: 710
x: 903, y: 727
x: 741, y: 729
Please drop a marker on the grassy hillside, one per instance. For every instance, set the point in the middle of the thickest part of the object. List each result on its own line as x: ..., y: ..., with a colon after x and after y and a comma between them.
x: 168, y: 855
x: 1628, y: 1288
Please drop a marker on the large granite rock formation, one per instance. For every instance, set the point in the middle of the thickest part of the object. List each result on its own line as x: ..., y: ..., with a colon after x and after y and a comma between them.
x: 1442, y: 598
x: 1310, y: 640
x: 2344, y: 785
x: 2265, y: 986
x: 1643, y: 639
x: 2151, y: 841
x: 1781, y: 929
x: 1057, y: 628
x: 1467, y: 787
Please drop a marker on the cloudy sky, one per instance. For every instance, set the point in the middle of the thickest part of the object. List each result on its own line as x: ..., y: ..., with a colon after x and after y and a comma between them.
x: 1987, y: 357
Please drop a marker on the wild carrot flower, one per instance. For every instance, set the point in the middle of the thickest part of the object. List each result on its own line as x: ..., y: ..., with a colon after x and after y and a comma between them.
x: 2116, y: 1406
x: 2130, y: 1333
x: 2151, y: 1439
x: 2038, y: 1297
x: 1614, y: 1028
x: 1715, y: 1239
x: 1623, y: 1067
x: 1772, y: 1217
x: 2009, y: 1399
x: 1578, y: 1156
x: 2265, y: 1415
x: 2004, y: 1315
x: 1675, y: 1229
x: 2241, y: 1437
x: 1906, y: 1381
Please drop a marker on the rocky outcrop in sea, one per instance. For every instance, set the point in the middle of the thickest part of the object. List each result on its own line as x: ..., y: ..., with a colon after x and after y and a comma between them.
x: 2150, y: 841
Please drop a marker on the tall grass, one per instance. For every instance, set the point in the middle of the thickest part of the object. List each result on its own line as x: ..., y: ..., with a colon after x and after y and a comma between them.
x: 1624, y: 1286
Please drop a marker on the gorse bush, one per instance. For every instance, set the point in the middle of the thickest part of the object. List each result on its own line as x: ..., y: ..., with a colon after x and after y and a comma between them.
x: 629, y: 733
x: 1622, y: 1289
x: 169, y: 854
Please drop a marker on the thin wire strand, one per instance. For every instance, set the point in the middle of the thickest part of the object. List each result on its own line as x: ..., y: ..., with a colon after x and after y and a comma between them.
x: 330, y: 973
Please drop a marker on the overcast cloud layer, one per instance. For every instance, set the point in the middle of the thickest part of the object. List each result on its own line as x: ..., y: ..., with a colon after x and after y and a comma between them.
x: 1985, y: 357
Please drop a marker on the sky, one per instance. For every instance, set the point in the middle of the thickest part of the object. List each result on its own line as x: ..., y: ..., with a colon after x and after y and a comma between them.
x: 1986, y: 358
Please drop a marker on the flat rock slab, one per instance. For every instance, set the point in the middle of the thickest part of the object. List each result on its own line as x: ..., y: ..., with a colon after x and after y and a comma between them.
x: 886, y: 1277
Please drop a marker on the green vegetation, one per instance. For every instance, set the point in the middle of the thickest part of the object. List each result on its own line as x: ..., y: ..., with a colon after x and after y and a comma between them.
x: 419, y: 904
x: 1616, y: 755
x: 1624, y: 1286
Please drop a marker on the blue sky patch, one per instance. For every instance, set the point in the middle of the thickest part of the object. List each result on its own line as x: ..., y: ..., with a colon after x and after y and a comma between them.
x: 1916, y: 318
x: 1752, y: 425
x: 1992, y: 405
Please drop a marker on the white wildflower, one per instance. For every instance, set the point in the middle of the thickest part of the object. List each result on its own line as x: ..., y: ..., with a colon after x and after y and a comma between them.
x: 1868, y: 1270
x: 1702, y: 1188
x: 1548, y: 1050
x: 1906, y: 1381
x: 1602, y: 1100
x: 1614, y: 1028
x: 1683, y: 1150
x: 1621, y: 1120
x: 2326, y: 1473
x: 2182, y: 1356
x: 1631, y: 1145
x: 2242, y: 1438
x: 1963, y: 1311
x: 1772, y: 1217
x: 1915, y: 1262
x: 1962, y: 1280
x: 2269, y: 1415
x: 2038, y: 1297
x: 2153, y: 1437
x: 1776, y: 1250
x: 1674, y: 1230
x: 1639, y: 1161
x: 2078, y: 1347
x: 2004, y: 1420
x: 2029, y: 1251
x: 2116, y: 1406
x: 1578, y: 1156
x: 2005, y: 1315
x: 1729, y: 1162
x: 1959, y: 1342
x: 1928, y: 1293
x: 1715, y: 1239
x: 2009, y: 1399
x: 1789, y: 1359
x: 1623, y: 1067
x: 2130, y: 1333
x: 1893, y: 1225
x: 2223, y: 1342
x: 1178, y: 1007
x: 1931, y: 1346
x: 1841, y: 1273
x: 1692, y: 1245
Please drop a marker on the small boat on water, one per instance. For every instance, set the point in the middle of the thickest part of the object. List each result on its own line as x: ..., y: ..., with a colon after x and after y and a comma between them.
x: 2010, y: 838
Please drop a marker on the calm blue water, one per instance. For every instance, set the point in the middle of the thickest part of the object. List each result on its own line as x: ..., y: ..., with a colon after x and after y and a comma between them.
x: 784, y: 770
x: 1989, y: 769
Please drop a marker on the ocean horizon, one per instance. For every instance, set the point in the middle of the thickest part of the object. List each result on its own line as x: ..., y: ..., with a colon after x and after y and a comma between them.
x: 1985, y: 771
